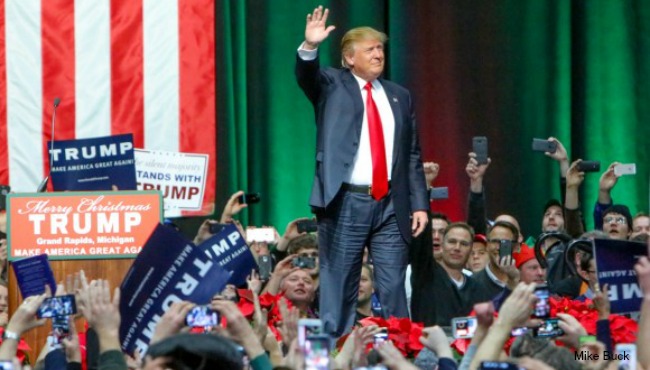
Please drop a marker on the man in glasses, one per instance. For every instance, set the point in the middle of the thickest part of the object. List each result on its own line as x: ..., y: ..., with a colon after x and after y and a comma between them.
x: 617, y: 222
x: 494, y: 277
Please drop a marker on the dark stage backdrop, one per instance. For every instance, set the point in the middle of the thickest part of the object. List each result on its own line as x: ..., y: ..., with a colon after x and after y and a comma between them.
x: 510, y: 70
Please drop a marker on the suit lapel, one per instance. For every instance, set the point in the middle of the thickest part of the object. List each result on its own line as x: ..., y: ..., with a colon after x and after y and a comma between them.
x: 352, y: 86
x: 393, y: 100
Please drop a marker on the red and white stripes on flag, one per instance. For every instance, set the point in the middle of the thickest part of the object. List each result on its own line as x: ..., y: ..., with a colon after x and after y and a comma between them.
x: 145, y: 67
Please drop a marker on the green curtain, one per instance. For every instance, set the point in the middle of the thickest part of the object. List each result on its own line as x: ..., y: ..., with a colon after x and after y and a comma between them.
x: 510, y: 70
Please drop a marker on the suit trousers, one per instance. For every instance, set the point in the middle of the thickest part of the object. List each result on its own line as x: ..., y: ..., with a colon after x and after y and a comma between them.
x: 351, y: 222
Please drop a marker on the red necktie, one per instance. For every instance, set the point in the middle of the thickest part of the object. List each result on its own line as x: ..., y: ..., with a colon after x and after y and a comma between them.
x: 377, y: 148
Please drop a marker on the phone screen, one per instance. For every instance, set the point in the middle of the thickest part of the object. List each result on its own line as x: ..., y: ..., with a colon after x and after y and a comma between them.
x: 542, y: 306
x: 499, y: 365
x: 202, y: 316
x: 307, y: 328
x: 549, y: 329
x: 260, y: 234
x: 57, y: 306
x: 60, y: 328
x: 463, y: 327
x: 317, y: 356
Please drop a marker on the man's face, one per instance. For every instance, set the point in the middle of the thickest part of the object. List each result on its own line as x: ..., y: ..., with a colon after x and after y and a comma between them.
x: 532, y: 272
x: 456, y: 247
x: 479, y: 257
x: 438, y: 226
x: 365, y: 286
x: 298, y: 287
x: 615, y: 225
x: 513, y: 221
x: 4, y: 299
x: 640, y: 225
x: 498, y: 233
x: 366, y: 59
x: 553, y: 219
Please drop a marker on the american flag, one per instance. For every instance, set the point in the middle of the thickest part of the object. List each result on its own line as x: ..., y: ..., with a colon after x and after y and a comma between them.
x: 145, y: 67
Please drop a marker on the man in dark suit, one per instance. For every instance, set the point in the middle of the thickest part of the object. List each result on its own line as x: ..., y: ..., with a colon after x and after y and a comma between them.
x: 369, y: 188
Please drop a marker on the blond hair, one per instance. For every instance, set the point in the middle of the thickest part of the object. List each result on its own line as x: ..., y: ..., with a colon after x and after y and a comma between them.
x: 358, y: 34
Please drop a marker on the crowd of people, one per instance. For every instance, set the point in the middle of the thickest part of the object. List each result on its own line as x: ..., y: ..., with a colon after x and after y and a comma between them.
x: 383, y: 279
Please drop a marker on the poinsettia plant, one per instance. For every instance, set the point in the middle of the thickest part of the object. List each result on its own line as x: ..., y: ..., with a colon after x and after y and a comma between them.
x: 404, y: 333
x: 622, y: 329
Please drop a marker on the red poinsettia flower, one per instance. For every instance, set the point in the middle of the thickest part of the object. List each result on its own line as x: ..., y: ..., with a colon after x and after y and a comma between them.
x: 404, y: 333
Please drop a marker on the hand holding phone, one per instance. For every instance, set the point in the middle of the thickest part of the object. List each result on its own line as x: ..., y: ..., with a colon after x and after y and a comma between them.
x: 307, y: 226
x: 202, y: 316
x: 588, y: 166
x: 250, y: 198
x: 480, y: 148
x: 505, y: 248
x: 549, y: 329
x: 260, y: 234
x: 64, y: 305
x: 265, y: 265
x: 545, y: 146
x: 625, y: 169
x: 463, y: 327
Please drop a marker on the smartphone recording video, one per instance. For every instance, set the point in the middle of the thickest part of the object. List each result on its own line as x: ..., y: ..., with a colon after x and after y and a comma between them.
x: 549, y: 329
x: 380, y: 338
x: 64, y: 305
x: 542, y: 306
x: 201, y: 317
x: 317, y: 352
x: 60, y: 328
x: 307, y: 328
x: 463, y: 327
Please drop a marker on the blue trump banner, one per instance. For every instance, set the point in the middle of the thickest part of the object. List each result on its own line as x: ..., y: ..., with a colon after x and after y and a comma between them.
x: 230, y: 250
x: 615, y: 260
x: 93, y: 164
x: 168, y: 269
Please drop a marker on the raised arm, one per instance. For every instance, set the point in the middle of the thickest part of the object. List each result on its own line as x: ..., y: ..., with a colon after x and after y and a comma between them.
x: 476, y: 215
x: 317, y: 30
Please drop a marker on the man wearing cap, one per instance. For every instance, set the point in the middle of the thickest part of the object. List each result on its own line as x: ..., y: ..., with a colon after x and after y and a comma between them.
x: 369, y: 187
x: 479, y: 258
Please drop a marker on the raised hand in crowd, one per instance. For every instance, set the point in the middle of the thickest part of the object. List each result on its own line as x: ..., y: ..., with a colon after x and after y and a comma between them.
x: 507, y: 264
x: 435, y: 339
x: 289, y: 325
x: 103, y: 314
x: 232, y: 208
x: 172, y: 321
x: 282, y: 269
x: 254, y: 283
x: 295, y: 358
x: 392, y: 357
x: 607, y: 182
x: 353, y: 352
x: 476, y: 173
x: 317, y: 30
x: 203, y: 233
x: 574, y: 178
x: 238, y: 328
x: 572, y: 328
x: 70, y: 343
x: 431, y: 171
x: 23, y: 319
x: 601, y: 301
x: 515, y: 311
x: 642, y: 269
x: 290, y: 233
x: 560, y: 155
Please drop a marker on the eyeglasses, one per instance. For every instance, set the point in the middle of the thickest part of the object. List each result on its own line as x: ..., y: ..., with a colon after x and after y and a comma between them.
x: 616, y: 219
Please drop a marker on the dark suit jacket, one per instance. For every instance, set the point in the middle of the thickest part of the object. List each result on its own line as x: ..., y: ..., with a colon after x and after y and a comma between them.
x: 339, y: 109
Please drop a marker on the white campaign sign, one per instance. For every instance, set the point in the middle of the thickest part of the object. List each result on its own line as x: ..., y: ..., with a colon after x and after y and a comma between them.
x: 180, y: 177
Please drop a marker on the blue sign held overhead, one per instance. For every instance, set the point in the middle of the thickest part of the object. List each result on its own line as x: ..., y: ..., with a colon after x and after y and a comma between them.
x: 230, y: 250
x: 168, y: 269
x: 615, y: 260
